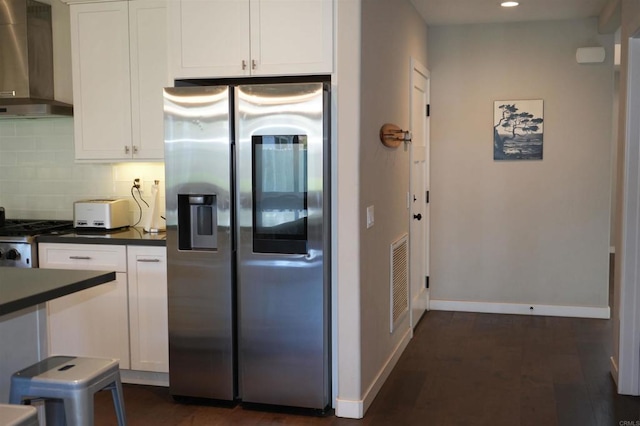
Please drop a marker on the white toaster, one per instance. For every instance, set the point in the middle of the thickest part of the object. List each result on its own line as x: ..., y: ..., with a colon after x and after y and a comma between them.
x: 101, y: 213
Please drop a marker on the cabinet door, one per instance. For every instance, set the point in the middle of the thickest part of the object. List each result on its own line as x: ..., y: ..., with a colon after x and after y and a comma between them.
x: 91, y: 322
x: 101, y: 89
x: 209, y: 38
x: 149, y: 75
x: 292, y: 36
x: 149, y: 331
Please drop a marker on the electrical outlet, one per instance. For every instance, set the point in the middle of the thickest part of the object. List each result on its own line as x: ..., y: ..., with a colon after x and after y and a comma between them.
x: 137, y: 183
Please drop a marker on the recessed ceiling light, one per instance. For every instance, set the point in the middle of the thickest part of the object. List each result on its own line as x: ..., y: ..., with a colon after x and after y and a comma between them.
x: 509, y: 4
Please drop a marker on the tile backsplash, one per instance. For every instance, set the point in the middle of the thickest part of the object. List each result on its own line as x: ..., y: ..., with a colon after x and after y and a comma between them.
x: 40, y: 179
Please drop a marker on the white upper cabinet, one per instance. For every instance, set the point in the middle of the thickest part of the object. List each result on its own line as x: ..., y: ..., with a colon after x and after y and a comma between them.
x: 101, y: 83
x: 148, y: 53
x: 209, y: 38
x: 119, y: 57
x: 291, y: 36
x: 222, y: 38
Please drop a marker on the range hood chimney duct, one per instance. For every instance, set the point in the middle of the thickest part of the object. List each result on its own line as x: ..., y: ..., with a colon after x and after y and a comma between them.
x: 26, y: 61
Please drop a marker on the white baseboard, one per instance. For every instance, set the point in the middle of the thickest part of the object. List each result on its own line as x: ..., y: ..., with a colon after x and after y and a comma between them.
x: 355, y: 409
x: 419, y: 306
x: 521, y: 309
x: 614, y: 370
x: 420, y: 300
x: 349, y: 409
x: 144, y: 378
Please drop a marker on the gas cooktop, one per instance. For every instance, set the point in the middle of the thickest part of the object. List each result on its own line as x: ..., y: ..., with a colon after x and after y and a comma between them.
x: 30, y: 227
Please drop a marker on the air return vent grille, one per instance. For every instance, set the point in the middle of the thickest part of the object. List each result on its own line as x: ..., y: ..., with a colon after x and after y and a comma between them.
x: 399, y: 280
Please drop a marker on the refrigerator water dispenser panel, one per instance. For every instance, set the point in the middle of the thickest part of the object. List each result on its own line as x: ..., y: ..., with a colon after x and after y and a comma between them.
x: 197, y: 222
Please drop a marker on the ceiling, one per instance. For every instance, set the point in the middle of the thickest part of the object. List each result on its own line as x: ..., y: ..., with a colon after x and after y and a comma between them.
x: 452, y: 12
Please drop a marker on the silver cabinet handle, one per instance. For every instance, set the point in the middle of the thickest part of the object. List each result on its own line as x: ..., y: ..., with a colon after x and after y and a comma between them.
x: 80, y: 257
x: 149, y: 260
x: 253, y: 64
x: 8, y: 94
x: 135, y: 149
x: 126, y: 149
x: 244, y: 64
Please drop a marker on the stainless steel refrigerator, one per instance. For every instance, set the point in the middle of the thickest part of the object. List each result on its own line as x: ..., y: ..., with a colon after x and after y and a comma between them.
x: 248, y: 238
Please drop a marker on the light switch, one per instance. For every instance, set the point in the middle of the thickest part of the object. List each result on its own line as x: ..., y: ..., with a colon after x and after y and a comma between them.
x: 369, y: 217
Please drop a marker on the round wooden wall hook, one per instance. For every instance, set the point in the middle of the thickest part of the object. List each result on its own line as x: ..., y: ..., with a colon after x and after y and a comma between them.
x: 391, y: 135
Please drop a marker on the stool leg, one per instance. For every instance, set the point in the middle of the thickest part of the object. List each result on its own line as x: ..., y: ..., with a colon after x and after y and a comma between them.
x: 54, y: 412
x: 79, y: 409
x: 118, y: 400
x: 15, y: 394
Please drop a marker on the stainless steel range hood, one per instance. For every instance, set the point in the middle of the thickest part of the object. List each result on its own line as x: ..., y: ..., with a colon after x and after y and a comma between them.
x: 26, y: 61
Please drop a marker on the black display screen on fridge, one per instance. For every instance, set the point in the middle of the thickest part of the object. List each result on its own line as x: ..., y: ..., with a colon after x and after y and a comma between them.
x: 280, y: 194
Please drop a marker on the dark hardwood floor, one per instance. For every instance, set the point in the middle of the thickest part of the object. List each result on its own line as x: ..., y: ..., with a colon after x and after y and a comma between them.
x: 460, y: 369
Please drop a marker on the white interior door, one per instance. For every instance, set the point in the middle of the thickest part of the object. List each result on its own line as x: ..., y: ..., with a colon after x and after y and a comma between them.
x: 419, y: 211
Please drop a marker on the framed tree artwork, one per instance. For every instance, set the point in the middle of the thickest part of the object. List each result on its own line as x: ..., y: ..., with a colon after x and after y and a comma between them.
x: 518, y: 130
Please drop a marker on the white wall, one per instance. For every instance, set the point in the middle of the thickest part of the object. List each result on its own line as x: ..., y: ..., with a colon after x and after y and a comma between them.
x: 39, y: 178
x: 520, y: 232
x: 375, y: 43
x: 626, y: 330
x: 345, y: 213
x: 392, y: 33
x: 615, y: 118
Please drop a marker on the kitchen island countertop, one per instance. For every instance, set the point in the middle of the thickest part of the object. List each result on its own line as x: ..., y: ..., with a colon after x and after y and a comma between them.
x: 25, y: 287
x: 128, y: 236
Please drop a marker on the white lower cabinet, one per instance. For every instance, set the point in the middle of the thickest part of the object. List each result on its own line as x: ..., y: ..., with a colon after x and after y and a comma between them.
x: 148, y: 326
x: 124, y: 319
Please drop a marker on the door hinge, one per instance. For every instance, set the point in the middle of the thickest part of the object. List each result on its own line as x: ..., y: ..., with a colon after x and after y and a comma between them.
x: 426, y: 282
x: 426, y: 197
x: 428, y: 110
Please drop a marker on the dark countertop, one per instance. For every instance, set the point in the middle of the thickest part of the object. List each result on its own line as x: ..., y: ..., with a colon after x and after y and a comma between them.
x: 24, y: 287
x: 129, y: 236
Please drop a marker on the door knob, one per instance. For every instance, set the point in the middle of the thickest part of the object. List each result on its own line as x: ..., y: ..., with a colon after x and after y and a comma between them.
x: 417, y: 216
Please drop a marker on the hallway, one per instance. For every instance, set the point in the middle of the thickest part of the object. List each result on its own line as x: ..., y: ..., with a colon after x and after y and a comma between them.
x: 486, y: 369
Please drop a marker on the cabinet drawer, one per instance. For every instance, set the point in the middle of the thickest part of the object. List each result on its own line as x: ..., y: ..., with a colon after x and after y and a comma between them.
x: 83, y: 256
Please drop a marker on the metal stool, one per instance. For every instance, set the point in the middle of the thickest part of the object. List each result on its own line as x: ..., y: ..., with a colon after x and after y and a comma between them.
x: 18, y: 415
x: 72, y: 380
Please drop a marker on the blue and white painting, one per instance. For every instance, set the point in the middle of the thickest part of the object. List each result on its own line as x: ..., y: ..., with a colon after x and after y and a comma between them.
x: 518, y: 130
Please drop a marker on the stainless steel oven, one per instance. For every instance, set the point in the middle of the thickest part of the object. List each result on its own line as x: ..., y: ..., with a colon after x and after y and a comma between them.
x: 18, y: 247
